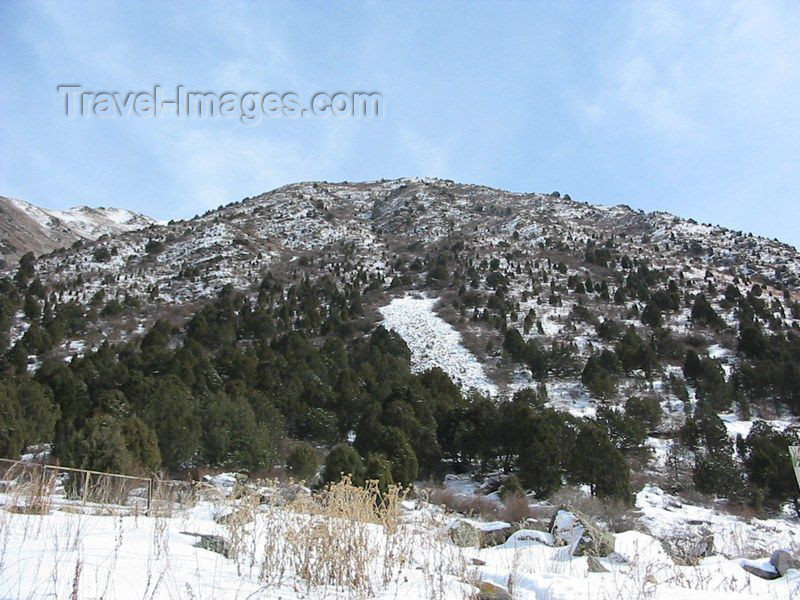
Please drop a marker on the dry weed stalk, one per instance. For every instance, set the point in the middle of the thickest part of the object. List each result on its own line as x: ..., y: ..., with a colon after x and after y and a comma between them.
x: 31, y: 489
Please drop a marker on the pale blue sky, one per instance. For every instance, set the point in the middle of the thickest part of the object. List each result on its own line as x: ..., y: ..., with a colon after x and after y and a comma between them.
x: 692, y: 108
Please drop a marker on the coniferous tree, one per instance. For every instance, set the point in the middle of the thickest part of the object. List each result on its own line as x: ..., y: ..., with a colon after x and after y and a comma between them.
x: 343, y: 460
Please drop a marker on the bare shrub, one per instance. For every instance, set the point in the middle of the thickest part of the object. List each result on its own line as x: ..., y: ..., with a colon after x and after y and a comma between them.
x: 471, y: 506
x: 516, y: 509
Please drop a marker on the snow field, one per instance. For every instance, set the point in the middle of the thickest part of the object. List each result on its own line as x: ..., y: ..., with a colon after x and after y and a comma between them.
x: 434, y: 342
x: 290, y: 554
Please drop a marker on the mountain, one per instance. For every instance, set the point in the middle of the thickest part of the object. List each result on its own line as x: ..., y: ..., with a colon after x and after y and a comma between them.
x: 25, y: 227
x: 397, y: 230
x: 369, y: 221
x: 434, y: 325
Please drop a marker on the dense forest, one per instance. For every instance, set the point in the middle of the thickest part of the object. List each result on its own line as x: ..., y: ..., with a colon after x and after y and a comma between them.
x: 269, y: 378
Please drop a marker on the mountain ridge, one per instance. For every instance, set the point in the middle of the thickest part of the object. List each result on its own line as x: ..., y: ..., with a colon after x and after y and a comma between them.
x: 25, y: 227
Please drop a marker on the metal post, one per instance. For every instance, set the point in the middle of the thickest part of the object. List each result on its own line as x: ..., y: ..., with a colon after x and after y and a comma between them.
x: 149, y: 494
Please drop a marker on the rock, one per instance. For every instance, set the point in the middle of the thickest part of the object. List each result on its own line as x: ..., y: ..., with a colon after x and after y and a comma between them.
x: 572, y: 528
x: 531, y: 535
x: 215, y: 543
x: 464, y: 534
x: 468, y: 533
x: 783, y: 561
x: 477, y: 562
x: 595, y: 566
x: 759, y: 572
x: 490, y: 591
x: 495, y: 537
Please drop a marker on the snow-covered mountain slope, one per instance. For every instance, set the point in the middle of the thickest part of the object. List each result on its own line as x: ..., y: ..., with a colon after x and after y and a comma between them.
x: 25, y: 227
x: 366, y: 223
x: 489, y: 258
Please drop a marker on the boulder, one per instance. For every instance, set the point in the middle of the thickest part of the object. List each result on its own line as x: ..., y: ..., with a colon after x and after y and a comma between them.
x: 783, y: 561
x: 215, y: 543
x: 469, y: 533
x: 490, y: 591
x: 759, y: 571
x: 464, y: 534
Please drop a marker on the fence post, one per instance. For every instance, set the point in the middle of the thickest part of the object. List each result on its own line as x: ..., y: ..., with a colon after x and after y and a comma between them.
x: 149, y: 494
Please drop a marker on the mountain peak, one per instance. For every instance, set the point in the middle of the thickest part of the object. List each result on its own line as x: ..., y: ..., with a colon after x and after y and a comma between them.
x: 25, y: 227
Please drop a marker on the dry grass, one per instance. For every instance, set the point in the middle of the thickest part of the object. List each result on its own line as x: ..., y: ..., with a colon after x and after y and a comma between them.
x: 343, y: 538
x: 616, y: 515
x: 31, y: 492
x: 32, y: 488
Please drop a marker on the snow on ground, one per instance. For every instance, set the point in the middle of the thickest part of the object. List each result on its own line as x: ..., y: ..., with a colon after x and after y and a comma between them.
x: 640, y: 569
x: 434, y: 342
x: 71, y: 555
x: 667, y: 517
x: 66, y: 554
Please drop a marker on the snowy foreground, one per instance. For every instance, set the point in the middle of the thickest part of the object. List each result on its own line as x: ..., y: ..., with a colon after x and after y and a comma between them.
x: 284, y: 551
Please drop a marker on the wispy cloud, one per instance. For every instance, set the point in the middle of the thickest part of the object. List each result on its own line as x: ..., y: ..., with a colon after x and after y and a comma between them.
x: 679, y: 68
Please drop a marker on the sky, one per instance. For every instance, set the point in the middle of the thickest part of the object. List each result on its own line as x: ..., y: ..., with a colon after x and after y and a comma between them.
x: 687, y: 107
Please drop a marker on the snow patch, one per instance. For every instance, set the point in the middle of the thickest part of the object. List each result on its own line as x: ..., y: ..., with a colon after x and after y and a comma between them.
x: 434, y: 342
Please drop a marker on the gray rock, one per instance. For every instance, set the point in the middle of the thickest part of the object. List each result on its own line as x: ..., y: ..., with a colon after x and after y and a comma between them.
x: 783, y: 561
x: 215, y: 543
x: 465, y: 535
x: 758, y: 572
x: 490, y: 591
x: 595, y: 566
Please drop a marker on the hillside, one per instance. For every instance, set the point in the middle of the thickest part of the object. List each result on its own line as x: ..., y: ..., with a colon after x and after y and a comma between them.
x: 28, y: 228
